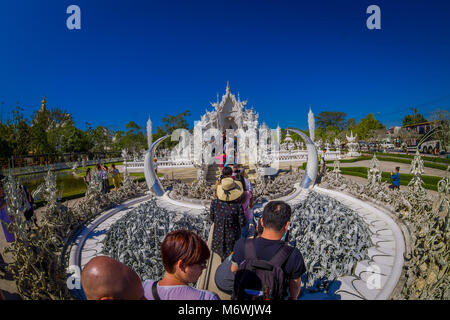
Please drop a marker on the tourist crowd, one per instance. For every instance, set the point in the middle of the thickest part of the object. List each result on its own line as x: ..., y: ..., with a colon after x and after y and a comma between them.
x: 256, y: 261
x: 103, y: 175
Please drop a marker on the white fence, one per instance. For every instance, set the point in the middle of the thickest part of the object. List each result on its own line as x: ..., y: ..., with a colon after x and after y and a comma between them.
x: 55, y: 166
x: 284, y: 156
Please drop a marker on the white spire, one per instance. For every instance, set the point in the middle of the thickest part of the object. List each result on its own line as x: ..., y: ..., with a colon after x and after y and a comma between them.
x: 228, y: 87
x: 311, y: 124
x: 149, y: 132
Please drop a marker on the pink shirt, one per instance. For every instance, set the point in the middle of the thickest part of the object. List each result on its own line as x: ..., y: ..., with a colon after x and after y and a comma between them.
x: 177, y: 292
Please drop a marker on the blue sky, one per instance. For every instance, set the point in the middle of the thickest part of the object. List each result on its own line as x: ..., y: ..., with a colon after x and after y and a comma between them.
x: 132, y: 59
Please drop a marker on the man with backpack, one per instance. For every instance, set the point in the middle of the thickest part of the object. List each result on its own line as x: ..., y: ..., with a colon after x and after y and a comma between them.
x: 267, y: 266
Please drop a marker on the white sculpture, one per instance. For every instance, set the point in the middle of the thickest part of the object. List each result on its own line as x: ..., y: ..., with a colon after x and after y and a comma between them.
x: 149, y: 132
x: 374, y: 173
x: 352, y: 145
x: 311, y: 124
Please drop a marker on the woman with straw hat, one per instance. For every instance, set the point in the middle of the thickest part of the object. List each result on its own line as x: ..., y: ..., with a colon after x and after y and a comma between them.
x: 227, y: 214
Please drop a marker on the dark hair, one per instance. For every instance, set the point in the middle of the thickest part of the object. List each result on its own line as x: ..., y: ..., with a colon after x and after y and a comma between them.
x: 276, y: 214
x: 397, y: 168
x: 183, y: 245
x: 98, y: 166
x: 227, y: 172
x: 240, y: 177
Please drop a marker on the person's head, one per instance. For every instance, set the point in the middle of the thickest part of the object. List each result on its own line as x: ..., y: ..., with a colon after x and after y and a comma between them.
x: 230, y: 190
x: 236, y: 168
x: 243, y: 172
x: 88, y: 170
x: 397, y: 169
x: 113, y: 166
x: 276, y: 216
x: 98, y: 167
x: 104, y: 278
x: 239, y: 177
x: 227, y: 172
x: 184, y: 255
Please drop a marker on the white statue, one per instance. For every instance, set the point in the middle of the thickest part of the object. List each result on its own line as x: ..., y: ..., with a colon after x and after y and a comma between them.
x: 352, y: 145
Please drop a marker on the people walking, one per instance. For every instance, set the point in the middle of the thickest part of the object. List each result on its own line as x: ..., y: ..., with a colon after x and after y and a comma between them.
x: 268, y: 250
x: 28, y: 204
x: 100, y: 175
x: 87, y: 177
x: 184, y: 256
x: 115, y: 176
x: 104, y: 278
x: 247, y: 203
x: 105, y: 177
x: 5, y: 218
x: 227, y: 214
x: 155, y: 165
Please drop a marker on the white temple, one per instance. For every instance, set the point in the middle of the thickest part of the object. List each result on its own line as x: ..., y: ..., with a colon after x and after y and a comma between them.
x: 231, y: 113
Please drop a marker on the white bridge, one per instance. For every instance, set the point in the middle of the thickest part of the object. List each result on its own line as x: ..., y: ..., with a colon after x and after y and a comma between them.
x: 163, y: 161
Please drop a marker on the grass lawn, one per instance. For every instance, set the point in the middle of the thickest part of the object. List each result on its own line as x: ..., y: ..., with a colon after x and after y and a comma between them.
x: 74, y: 187
x: 430, y: 182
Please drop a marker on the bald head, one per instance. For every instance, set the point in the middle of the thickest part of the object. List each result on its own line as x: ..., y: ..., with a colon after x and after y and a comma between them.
x: 104, y: 278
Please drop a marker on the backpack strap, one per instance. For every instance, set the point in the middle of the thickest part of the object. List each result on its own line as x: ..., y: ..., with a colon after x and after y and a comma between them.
x: 282, y: 255
x: 250, y: 250
x: 155, y: 291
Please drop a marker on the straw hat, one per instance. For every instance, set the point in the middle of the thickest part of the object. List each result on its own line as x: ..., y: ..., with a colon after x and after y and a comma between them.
x: 229, y: 190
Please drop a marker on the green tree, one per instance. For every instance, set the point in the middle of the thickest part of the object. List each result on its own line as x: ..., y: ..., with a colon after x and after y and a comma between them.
x: 134, y: 138
x: 74, y: 140
x: 415, y: 118
x: 351, y: 124
x: 367, y: 127
x: 38, y: 140
x: 100, y: 138
x: 170, y: 124
x: 329, y: 118
x: 118, y: 143
x: 60, y: 125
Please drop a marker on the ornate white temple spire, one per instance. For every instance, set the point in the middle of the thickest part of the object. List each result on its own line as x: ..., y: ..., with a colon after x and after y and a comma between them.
x: 311, y: 124
x: 149, y: 132
x: 228, y: 88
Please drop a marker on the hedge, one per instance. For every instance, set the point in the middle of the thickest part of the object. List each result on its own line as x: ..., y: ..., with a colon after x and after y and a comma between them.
x: 382, y: 157
x: 409, y: 156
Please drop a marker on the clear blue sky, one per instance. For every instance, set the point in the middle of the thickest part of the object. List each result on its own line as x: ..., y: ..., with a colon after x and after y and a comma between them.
x: 132, y: 59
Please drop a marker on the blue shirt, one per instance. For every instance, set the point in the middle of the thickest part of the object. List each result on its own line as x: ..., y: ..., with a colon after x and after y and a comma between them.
x: 396, y: 179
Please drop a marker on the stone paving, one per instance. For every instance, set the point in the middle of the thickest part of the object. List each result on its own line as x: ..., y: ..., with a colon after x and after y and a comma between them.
x: 383, y: 269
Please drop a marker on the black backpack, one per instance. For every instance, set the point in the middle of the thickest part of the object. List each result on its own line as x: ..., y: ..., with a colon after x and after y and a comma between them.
x: 260, y: 279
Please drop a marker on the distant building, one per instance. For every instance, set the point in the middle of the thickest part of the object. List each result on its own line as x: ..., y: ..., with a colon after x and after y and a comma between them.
x: 420, y: 128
